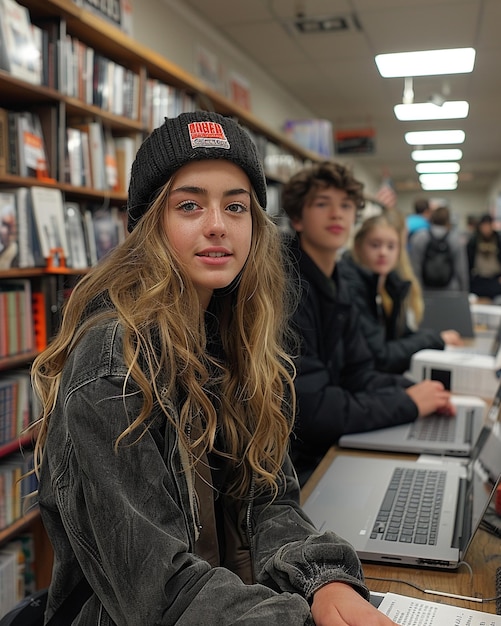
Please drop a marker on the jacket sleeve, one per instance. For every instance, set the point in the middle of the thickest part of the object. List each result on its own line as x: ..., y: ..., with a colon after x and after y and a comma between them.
x: 471, y: 248
x: 349, y: 397
x: 461, y: 265
x: 394, y: 355
x: 290, y: 554
x: 417, y: 246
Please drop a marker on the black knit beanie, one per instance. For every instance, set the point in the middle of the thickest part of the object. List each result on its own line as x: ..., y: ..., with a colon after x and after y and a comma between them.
x: 189, y: 137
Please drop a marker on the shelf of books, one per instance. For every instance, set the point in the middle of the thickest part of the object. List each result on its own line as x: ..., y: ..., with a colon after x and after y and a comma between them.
x: 77, y: 96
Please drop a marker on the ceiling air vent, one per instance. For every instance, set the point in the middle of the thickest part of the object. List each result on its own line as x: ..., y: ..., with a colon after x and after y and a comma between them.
x: 307, y: 25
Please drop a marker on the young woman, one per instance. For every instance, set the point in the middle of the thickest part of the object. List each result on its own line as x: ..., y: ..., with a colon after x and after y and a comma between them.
x: 168, y: 401
x: 388, y: 295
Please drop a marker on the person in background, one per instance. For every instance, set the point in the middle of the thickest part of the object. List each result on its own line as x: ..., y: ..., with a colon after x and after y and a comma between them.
x: 471, y: 227
x: 338, y: 387
x: 168, y: 400
x: 457, y: 277
x: 419, y: 219
x: 484, y: 259
x: 387, y: 294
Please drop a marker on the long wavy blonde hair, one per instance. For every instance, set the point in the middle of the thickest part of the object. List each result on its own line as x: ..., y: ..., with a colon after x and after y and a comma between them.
x: 395, y: 220
x: 146, y: 289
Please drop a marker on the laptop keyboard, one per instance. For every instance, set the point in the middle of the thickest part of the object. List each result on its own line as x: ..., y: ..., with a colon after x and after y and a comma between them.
x: 410, y: 511
x: 438, y: 428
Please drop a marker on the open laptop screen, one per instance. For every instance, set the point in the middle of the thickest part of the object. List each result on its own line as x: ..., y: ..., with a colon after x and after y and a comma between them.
x: 448, y: 310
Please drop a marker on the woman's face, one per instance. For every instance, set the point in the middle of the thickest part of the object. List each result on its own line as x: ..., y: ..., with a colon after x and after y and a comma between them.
x: 485, y: 229
x: 209, y: 224
x: 380, y: 249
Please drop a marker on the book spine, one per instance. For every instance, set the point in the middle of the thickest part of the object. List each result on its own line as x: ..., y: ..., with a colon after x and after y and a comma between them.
x: 14, y: 391
x: 75, y: 156
x: 12, y: 317
x: 27, y: 328
x: 3, y: 416
x: 9, y: 432
x: 13, y: 142
x: 39, y: 320
x: 25, y: 253
x: 4, y: 342
x: 9, y: 241
x: 4, y: 141
x: 96, y: 141
x: 3, y: 506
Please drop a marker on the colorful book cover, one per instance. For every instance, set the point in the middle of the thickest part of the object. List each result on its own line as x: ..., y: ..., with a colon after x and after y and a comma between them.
x: 32, y: 153
x: 21, y: 56
x: 48, y: 211
x: 9, y: 243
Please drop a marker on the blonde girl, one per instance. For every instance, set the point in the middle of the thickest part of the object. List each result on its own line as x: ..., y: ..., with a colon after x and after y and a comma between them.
x: 388, y: 295
x: 168, y: 401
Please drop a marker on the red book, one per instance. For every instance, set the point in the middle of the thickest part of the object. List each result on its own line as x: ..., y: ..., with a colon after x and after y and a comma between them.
x: 39, y: 320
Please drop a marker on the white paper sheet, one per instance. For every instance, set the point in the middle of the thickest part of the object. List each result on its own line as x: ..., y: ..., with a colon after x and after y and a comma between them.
x: 408, y: 611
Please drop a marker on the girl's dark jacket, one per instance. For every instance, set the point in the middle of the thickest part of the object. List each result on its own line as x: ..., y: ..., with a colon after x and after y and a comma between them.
x: 338, y: 389
x: 129, y: 521
x: 389, y: 338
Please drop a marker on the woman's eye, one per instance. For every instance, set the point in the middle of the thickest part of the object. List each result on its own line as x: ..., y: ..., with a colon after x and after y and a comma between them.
x: 188, y: 206
x: 236, y: 208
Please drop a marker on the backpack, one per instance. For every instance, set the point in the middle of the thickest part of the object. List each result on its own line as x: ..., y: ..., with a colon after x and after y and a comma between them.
x: 438, y: 265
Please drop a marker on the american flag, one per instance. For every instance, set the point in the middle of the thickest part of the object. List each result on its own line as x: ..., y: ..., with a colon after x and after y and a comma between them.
x: 386, y: 194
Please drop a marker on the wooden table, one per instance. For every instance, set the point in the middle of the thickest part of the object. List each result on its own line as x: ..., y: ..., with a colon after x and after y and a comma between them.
x: 484, y: 557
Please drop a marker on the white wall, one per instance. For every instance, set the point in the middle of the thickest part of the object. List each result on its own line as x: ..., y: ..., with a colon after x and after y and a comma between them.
x: 495, y: 199
x: 175, y: 32
x: 461, y: 203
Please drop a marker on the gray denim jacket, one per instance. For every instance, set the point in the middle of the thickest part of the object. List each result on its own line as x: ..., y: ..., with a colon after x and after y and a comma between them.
x: 126, y: 522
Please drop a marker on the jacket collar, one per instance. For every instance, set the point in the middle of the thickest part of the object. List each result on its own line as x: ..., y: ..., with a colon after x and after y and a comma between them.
x: 333, y: 289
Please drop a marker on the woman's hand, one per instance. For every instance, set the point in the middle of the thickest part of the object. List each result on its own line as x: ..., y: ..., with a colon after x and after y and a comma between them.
x: 430, y: 396
x: 338, y: 604
x: 452, y: 338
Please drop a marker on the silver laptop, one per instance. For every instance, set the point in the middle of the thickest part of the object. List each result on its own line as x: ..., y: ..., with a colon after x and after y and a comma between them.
x: 486, y: 342
x: 436, y: 434
x: 363, y: 500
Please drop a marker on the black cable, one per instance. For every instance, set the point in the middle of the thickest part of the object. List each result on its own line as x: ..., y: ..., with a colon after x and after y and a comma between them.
x: 490, y: 527
x: 496, y: 598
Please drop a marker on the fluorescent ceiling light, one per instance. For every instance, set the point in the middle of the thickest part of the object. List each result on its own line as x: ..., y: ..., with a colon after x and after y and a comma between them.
x: 428, y: 137
x: 439, y: 186
x: 447, y: 154
x: 431, y: 182
x: 432, y: 179
x: 429, y: 111
x: 437, y: 167
x: 426, y: 62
